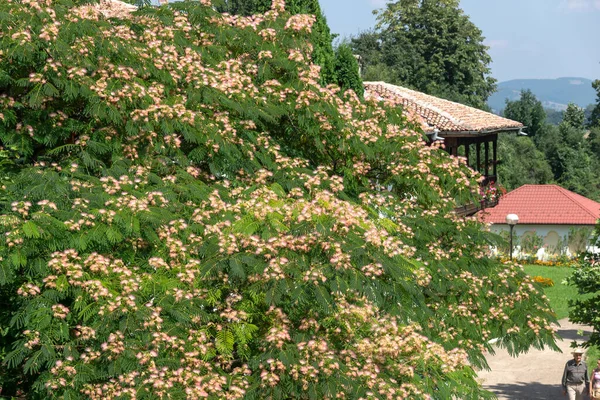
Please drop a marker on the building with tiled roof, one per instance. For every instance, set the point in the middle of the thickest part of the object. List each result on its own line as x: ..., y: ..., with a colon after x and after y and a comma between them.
x: 450, y: 119
x: 476, y: 131
x: 543, y: 205
x: 549, y: 211
x: 108, y: 9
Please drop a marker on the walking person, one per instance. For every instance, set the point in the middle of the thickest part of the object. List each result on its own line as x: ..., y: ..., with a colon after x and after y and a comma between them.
x: 595, y: 383
x: 575, y: 379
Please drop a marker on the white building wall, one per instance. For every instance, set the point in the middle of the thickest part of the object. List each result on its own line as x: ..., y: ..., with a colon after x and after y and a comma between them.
x: 549, y: 232
x: 540, y: 230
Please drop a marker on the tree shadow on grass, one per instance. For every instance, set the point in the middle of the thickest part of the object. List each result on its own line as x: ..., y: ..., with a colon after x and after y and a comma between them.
x: 527, y: 391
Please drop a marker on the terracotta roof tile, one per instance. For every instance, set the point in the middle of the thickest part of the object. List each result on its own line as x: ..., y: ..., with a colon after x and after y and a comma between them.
x: 109, y: 8
x: 543, y: 204
x: 445, y: 115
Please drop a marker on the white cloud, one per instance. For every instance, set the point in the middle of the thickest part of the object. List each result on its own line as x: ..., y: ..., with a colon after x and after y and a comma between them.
x: 381, y: 3
x: 580, y: 5
x: 496, y: 43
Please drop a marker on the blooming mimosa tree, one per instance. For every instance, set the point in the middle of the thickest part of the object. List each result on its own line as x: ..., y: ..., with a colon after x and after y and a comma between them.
x: 186, y: 213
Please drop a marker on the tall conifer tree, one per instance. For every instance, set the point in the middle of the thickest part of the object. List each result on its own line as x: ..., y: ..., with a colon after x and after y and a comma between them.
x: 321, y: 37
x: 347, y: 70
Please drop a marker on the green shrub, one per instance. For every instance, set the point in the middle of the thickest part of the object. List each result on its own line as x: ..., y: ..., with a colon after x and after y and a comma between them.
x: 578, y: 239
x: 346, y: 69
x: 531, y: 243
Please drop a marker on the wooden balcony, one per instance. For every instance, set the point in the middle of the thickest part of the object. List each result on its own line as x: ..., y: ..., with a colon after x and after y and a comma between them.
x: 480, y: 152
x: 488, y: 180
x: 470, y: 209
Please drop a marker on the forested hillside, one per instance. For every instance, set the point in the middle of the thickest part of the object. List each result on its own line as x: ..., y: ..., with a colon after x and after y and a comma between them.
x: 555, y: 94
x: 567, y: 153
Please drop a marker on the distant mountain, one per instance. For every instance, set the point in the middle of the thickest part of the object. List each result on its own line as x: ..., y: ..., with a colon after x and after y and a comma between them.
x: 553, y: 93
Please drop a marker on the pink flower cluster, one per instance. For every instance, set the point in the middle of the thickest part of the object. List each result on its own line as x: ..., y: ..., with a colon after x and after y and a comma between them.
x: 300, y: 22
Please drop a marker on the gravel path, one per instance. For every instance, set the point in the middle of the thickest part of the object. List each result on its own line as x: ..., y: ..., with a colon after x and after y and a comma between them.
x: 535, y: 375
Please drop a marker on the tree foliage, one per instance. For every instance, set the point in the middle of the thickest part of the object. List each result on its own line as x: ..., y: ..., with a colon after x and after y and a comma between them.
x: 430, y: 46
x: 574, y: 117
x: 594, y: 141
x: 564, y: 149
x: 571, y: 157
x: 595, y: 115
x: 586, y: 278
x: 522, y: 163
x: 187, y: 213
x: 243, y: 7
x: 529, y: 111
x: 553, y: 117
x: 321, y: 37
x: 347, y: 71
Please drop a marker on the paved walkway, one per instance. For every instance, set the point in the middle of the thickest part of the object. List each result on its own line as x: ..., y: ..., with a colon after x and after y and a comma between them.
x: 535, y: 375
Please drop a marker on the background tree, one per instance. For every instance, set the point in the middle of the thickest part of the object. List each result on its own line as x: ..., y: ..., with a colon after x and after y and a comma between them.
x: 595, y: 114
x: 587, y: 111
x: 373, y: 67
x: 553, y: 117
x: 559, y: 154
x: 569, y: 154
x: 594, y: 142
x: 529, y: 111
x: 243, y: 7
x: 576, y: 171
x: 574, y: 117
x: 593, y: 120
x: 186, y: 212
x: 430, y: 46
x: 522, y: 163
x: 346, y: 70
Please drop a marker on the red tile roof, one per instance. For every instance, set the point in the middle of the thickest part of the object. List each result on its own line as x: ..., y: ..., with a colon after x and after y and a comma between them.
x: 445, y: 115
x: 543, y: 204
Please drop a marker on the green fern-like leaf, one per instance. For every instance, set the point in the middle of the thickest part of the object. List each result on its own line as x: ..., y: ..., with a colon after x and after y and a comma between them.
x: 224, y: 342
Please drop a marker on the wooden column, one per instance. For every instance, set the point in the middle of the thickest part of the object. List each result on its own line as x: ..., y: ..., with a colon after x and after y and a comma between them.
x: 467, y: 148
x: 495, y: 142
x: 478, y: 149
x: 487, y: 158
x: 451, y: 146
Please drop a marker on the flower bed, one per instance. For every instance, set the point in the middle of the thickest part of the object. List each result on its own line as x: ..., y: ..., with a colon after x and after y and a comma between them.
x: 561, y: 262
x: 545, y: 282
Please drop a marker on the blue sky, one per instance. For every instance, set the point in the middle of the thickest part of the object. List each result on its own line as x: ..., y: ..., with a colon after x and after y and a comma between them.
x: 527, y: 38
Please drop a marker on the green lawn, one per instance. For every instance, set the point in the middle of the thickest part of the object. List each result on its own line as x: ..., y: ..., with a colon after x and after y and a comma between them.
x: 558, y: 294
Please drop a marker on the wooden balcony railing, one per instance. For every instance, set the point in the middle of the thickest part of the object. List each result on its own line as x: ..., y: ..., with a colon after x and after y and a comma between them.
x: 470, y: 209
x: 488, y: 180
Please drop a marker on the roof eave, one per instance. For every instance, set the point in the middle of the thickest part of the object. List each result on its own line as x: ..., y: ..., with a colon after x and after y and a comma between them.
x: 482, y: 132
